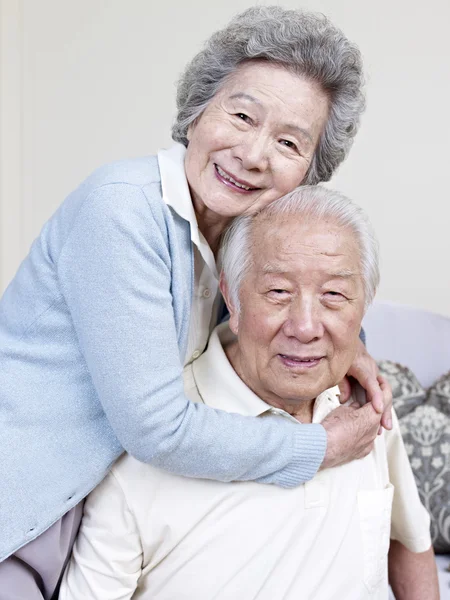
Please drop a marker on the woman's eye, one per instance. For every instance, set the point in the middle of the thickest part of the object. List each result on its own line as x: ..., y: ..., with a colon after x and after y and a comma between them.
x: 278, y: 291
x: 288, y: 144
x: 243, y: 117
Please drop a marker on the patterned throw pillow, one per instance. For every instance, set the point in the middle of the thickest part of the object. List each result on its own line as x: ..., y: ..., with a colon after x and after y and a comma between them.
x: 439, y: 394
x: 406, y: 390
x: 425, y: 428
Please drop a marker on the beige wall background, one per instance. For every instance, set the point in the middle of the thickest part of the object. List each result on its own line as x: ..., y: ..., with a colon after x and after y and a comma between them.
x: 88, y: 81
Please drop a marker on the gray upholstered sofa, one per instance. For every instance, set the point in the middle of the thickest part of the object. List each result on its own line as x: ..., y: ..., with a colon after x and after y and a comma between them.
x: 416, y: 345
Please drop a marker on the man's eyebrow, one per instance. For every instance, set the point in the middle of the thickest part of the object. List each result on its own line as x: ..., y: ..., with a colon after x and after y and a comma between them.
x: 291, y: 126
x: 343, y: 274
x: 274, y: 269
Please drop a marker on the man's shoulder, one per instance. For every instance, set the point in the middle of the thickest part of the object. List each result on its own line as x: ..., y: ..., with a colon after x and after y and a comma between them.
x: 393, y: 437
x: 132, y: 476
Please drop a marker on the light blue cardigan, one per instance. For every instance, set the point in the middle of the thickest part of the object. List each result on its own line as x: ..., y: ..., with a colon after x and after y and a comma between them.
x: 93, y: 333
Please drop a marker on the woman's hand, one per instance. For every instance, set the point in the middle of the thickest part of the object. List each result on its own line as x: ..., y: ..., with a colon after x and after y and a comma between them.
x: 365, y: 370
x: 351, y: 431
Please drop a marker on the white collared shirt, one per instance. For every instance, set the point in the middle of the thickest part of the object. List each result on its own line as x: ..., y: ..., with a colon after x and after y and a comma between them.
x: 206, y: 297
x: 151, y: 535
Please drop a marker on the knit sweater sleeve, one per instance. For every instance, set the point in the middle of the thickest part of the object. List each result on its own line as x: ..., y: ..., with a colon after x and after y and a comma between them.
x: 115, y: 274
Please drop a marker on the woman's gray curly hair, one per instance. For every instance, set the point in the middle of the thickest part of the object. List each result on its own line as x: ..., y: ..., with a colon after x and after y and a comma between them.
x: 305, y: 43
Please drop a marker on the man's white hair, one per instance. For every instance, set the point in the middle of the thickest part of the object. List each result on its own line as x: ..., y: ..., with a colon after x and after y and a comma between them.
x: 315, y: 203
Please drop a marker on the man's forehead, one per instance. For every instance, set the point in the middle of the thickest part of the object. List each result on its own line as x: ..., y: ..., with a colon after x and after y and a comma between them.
x: 282, y: 243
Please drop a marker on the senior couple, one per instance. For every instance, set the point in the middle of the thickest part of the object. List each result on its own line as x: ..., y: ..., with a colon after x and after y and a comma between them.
x: 120, y: 292
x: 297, y: 278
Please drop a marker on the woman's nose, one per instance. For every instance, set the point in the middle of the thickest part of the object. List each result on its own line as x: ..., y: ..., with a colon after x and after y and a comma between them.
x: 253, y: 152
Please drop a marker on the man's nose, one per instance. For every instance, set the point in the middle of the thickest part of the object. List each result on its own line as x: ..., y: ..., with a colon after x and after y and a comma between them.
x: 253, y: 152
x: 304, y: 321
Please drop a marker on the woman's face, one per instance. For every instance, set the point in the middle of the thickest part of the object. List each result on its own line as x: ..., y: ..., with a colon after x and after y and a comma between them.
x: 254, y: 142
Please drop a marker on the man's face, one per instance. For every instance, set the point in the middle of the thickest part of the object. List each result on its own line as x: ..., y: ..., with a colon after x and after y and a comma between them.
x: 302, y: 303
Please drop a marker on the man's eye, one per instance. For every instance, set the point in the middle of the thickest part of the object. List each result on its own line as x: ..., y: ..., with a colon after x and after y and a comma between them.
x: 278, y: 291
x: 335, y: 295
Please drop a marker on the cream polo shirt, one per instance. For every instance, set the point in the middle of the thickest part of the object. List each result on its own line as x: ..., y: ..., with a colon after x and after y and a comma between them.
x: 150, y: 535
x: 206, y: 296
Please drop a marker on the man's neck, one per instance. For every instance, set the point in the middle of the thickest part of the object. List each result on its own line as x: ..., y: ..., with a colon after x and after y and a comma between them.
x: 300, y: 410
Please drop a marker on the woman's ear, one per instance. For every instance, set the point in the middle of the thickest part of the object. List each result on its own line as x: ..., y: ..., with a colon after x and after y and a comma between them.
x: 190, y: 130
x: 232, y: 309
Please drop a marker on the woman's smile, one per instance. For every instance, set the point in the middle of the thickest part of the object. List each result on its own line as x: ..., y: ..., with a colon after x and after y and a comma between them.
x: 233, y: 182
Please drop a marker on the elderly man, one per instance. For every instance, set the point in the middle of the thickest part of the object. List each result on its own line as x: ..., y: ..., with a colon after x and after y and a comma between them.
x: 297, y: 278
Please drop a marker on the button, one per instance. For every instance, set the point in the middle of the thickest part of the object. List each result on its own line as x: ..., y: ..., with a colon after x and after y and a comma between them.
x: 196, y: 354
x: 207, y: 293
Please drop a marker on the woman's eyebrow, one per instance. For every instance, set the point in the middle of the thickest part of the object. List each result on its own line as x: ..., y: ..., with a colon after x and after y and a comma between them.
x: 244, y: 96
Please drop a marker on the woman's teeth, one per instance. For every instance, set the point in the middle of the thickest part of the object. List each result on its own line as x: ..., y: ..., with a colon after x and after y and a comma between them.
x: 233, y: 181
x: 299, y: 359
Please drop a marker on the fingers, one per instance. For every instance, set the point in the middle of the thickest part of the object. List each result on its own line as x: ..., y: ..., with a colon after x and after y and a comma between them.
x: 346, y: 389
x: 351, y: 431
x: 375, y: 395
x: 365, y: 370
x: 373, y: 415
x: 386, y: 418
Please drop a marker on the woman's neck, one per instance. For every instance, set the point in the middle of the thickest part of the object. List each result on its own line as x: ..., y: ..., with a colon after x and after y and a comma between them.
x: 212, y: 227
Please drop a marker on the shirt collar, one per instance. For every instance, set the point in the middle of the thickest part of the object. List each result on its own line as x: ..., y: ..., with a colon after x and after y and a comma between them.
x: 220, y: 386
x: 176, y: 194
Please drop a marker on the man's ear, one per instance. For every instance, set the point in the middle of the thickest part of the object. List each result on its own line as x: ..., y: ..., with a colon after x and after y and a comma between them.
x: 234, y: 313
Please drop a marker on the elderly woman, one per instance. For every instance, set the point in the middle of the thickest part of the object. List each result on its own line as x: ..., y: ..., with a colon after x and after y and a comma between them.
x: 121, y: 290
